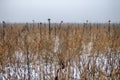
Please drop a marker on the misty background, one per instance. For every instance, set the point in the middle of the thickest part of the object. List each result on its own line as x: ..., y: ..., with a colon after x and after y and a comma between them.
x: 67, y: 10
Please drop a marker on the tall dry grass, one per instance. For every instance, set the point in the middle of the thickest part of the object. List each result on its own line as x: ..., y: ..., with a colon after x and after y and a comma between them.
x: 60, y: 51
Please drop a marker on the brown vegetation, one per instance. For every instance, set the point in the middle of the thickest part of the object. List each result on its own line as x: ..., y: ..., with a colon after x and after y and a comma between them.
x: 61, y: 47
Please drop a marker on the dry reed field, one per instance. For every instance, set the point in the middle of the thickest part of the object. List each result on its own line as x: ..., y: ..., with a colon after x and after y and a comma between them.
x: 65, y: 51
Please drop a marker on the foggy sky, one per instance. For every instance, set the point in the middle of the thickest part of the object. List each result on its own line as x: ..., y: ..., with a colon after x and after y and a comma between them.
x: 57, y: 10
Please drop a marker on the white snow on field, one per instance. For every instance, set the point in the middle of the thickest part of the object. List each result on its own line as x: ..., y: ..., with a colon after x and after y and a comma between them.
x: 47, y: 71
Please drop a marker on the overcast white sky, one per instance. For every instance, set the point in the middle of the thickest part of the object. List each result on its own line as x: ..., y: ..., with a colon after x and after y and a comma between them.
x: 57, y: 10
